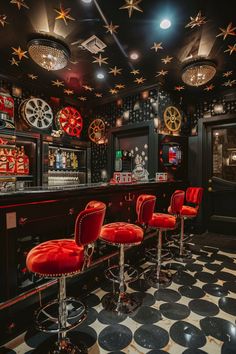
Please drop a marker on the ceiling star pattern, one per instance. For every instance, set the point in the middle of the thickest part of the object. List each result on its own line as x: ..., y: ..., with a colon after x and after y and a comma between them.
x: 32, y: 76
x: 229, y: 83
x: 209, y: 87
x: 68, y: 92
x: 75, y: 24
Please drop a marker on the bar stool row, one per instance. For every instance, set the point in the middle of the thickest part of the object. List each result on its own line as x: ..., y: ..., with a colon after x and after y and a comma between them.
x: 65, y: 258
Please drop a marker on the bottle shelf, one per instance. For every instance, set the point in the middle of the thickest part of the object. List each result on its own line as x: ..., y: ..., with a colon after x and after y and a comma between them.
x: 17, y: 176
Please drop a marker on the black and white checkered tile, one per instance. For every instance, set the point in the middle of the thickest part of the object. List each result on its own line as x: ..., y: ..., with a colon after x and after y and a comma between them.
x: 195, y: 314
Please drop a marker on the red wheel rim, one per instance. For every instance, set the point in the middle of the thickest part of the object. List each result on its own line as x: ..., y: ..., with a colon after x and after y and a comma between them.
x: 70, y: 121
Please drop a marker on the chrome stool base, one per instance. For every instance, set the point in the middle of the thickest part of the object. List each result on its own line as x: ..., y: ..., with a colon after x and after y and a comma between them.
x: 162, y: 281
x: 113, y: 274
x: 66, y: 347
x: 46, y: 317
x: 121, y: 303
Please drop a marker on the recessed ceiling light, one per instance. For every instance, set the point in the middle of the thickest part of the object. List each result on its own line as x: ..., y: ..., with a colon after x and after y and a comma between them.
x: 100, y: 76
x: 87, y: 1
x: 165, y: 23
x: 134, y: 56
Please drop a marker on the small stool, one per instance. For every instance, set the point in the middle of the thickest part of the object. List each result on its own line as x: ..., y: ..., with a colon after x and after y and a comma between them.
x: 123, y: 234
x: 194, y: 197
x: 156, y: 277
x: 61, y: 259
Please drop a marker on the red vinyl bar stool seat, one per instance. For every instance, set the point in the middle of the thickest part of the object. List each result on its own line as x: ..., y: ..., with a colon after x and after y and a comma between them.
x: 193, y: 197
x: 156, y: 277
x: 124, y: 234
x: 61, y: 259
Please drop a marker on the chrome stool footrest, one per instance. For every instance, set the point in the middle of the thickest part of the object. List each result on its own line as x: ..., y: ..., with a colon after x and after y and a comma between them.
x: 186, y: 238
x: 151, y: 255
x: 163, y: 280
x: 121, y: 303
x: 46, y: 317
x: 130, y: 274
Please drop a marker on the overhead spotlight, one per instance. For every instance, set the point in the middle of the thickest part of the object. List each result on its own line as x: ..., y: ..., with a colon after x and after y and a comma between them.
x: 87, y: 1
x: 134, y: 56
x: 165, y: 23
x: 100, y: 76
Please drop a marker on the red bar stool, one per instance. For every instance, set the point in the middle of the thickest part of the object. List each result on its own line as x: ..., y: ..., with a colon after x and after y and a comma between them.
x: 156, y: 277
x: 61, y: 259
x: 193, y: 197
x: 124, y: 234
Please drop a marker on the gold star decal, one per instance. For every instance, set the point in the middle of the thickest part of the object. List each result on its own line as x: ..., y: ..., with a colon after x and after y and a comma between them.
x: 115, y: 71
x: 179, y: 88
x: 228, y: 73
x: 135, y: 72
x: 139, y: 80
x: 64, y: 14
x: 113, y: 91
x: 13, y: 61
x: 98, y: 95
x: 100, y: 60
x: 231, y: 49
x: 229, y: 83
x: 19, y: 4
x: 167, y: 59
x: 32, y: 76
x: 88, y: 88
x: 196, y: 21
x: 3, y: 21
x: 162, y: 73
x: 131, y: 5
x: 120, y: 86
x: 69, y: 92
x: 209, y: 87
x: 228, y: 31
x: 57, y: 83
x: 111, y: 28
x: 157, y: 46
x: 82, y: 98
x: 19, y: 52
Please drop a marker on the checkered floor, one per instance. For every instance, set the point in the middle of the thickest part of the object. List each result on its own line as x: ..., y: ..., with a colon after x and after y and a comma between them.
x: 195, y: 314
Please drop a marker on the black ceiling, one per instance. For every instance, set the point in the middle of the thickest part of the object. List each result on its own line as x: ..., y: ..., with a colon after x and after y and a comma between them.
x: 139, y: 32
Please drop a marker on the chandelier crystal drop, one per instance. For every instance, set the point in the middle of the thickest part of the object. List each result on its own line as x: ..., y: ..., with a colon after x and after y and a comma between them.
x: 198, y: 73
x: 50, y: 54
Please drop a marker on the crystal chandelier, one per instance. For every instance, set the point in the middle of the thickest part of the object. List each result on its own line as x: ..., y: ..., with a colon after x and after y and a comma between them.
x: 50, y: 54
x: 198, y: 73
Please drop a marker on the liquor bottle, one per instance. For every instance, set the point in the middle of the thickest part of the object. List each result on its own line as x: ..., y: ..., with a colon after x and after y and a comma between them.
x: 76, y: 163
x: 26, y: 161
x: 68, y: 161
x: 11, y: 161
x: 118, y: 161
x: 58, y: 159
x: 20, y: 167
x: 64, y: 160
x: 51, y: 158
x: 3, y: 161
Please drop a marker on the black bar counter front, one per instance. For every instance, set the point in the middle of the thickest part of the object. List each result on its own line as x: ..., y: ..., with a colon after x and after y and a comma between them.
x: 29, y: 217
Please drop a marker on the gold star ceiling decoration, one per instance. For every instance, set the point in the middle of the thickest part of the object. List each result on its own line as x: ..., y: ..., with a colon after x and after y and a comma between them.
x: 209, y: 87
x: 229, y: 83
x: 113, y: 91
x: 69, y: 92
x: 131, y: 5
x: 19, y: 52
x: 115, y: 71
x: 99, y: 95
x: 228, y: 73
x: 120, y: 86
x: 157, y: 46
x: 82, y: 98
x: 139, y: 80
x: 32, y: 76
x: 13, y: 61
x: 100, y: 60
x: 135, y: 72
x: 3, y: 21
x: 196, y: 21
x: 179, y: 88
x: 64, y: 14
x: 88, y: 88
x: 161, y: 73
x: 57, y: 83
x: 19, y: 4
x: 167, y: 59
x: 111, y: 28
x: 228, y: 31
x: 231, y: 49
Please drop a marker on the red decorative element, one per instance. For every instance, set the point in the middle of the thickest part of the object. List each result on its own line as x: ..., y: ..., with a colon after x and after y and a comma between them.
x: 6, y: 110
x: 188, y: 211
x: 65, y: 257
x: 122, y: 232
x: 163, y: 221
x: 145, y: 207
x: 70, y: 121
x: 176, y: 202
x: 194, y: 195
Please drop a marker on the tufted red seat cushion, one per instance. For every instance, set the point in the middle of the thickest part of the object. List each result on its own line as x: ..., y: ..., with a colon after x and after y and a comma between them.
x: 56, y: 258
x: 188, y: 211
x: 162, y: 221
x: 122, y: 232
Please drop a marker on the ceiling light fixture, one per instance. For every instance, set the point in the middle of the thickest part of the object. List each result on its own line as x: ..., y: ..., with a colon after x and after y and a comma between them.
x: 134, y: 56
x: 198, y: 72
x: 87, y: 1
x: 100, y: 76
x: 49, y: 53
x: 165, y: 23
